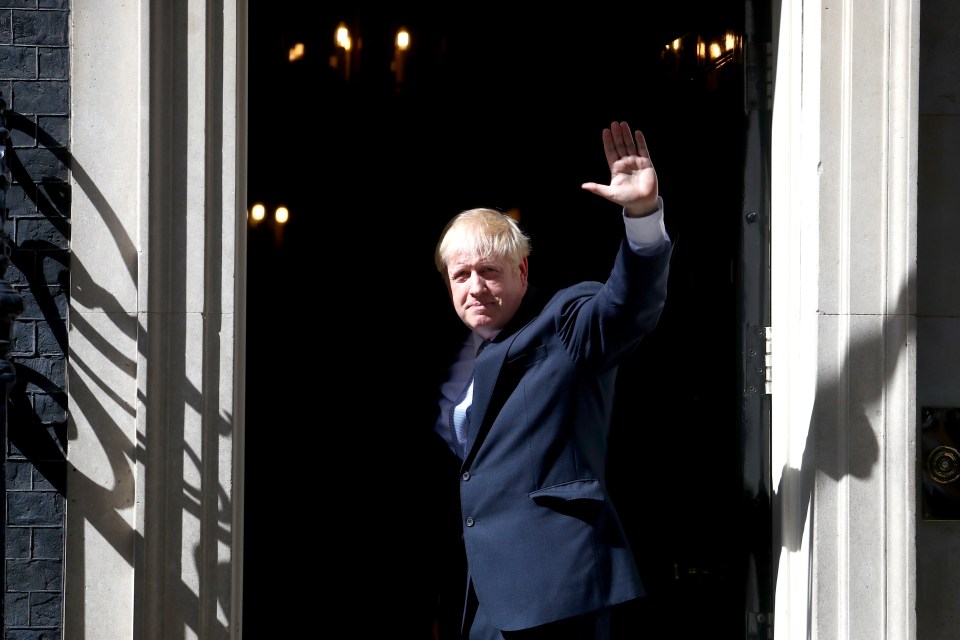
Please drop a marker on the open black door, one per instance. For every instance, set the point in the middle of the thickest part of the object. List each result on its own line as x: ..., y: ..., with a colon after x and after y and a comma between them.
x: 689, y: 464
x: 694, y: 464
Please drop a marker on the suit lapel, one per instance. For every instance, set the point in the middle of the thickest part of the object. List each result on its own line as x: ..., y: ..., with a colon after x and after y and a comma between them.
x: 487, y: 372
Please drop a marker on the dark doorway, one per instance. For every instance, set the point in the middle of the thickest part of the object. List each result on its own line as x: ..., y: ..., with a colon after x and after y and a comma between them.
x: 490, y: 106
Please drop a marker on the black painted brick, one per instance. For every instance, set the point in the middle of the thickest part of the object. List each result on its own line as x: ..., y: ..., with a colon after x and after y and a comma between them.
x: 34, y: 508
x: 34, y: 575
x: 34, y: 85
x: 50, y: 408
x: 55, y: 267
x: 21, y: 200
x: 43, y: 164
x: 23, y: 130
x: 24, y: 339
x: 52, y: 305
x: 6, y: 27
x: 20, y: 418
x: 45, y: 608
x: 53, y: 131
x: 44, y: 443
x: 18, y: 63
x: 38, y: 96
x: 40, y: 27
x: 53, y: 63
x: 48, y: 543
x: 43, y: 375
x: 53, y: 199
x: 31, y: 634
x: 18, y: 475
x: 42, y: 234
x: 51, y: 473
x: 16, y: 608
x: 21, y: 263
x: 18, y: 542
x: 51, y: 340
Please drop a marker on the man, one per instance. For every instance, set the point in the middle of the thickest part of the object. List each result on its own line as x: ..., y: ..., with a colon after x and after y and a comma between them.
x: 525, y: 411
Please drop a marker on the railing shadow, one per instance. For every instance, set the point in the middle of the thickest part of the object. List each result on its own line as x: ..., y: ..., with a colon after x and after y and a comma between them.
x: 42, y: 428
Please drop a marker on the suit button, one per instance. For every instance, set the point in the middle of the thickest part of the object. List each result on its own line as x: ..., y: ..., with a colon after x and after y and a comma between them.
x: 466, y: 476
x: 469, y: 522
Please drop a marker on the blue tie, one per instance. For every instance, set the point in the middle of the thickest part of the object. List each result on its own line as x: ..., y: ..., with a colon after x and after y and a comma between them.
x: 458, y: 417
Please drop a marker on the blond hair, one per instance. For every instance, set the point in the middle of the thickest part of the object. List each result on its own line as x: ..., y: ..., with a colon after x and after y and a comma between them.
x: 485, y: 233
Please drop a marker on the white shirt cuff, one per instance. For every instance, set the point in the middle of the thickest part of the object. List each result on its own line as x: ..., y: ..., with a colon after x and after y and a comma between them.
x: 647, y: 235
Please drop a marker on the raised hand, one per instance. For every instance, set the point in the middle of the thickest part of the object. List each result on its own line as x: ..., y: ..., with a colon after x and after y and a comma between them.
x: 633, y: 180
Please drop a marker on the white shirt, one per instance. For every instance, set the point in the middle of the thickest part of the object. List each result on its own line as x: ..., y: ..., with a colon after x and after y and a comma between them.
x: 458, y: 376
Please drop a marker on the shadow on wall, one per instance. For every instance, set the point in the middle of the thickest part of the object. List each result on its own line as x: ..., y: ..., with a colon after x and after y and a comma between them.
x: 841, y: 440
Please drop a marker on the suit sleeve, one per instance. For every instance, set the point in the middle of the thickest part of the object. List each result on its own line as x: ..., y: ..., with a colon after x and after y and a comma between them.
x: 600, y: 323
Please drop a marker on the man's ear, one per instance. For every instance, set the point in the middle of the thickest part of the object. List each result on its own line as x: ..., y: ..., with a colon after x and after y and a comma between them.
x: 524, y: 270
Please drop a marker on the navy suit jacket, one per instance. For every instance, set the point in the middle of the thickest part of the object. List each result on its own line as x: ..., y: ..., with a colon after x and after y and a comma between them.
x: 542, y: 538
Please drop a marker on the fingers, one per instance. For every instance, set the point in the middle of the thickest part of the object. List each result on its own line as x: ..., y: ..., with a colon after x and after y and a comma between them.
x: 609, y: 147
x: 622, y: 139
x: 618, y: 142
x: 641, y: 145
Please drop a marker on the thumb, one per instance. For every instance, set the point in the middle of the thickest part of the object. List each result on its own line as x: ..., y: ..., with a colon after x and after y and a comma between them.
x: 599, y: 189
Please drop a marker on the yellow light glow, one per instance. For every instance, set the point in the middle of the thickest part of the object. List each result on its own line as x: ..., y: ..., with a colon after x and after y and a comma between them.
x: 296, y: 52
x: 281, y: 215
x: 715, y: 50
x: 731, y: 41
x: 676, y: 44
x: 257, y: 212
x: 343, y: 37
x: 403, y: 39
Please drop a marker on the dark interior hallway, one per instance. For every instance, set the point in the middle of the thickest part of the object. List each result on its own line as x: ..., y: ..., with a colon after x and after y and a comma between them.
x: 497, y: 108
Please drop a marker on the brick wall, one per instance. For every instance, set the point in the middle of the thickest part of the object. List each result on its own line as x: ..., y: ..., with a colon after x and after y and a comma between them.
x: 34, y: 81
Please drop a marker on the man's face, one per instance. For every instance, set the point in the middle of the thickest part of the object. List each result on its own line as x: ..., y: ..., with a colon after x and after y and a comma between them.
x: 486, y: 292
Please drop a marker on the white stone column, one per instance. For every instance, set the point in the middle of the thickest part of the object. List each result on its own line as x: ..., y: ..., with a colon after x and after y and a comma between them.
x: 155, y: 381
x: 843, y: 317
